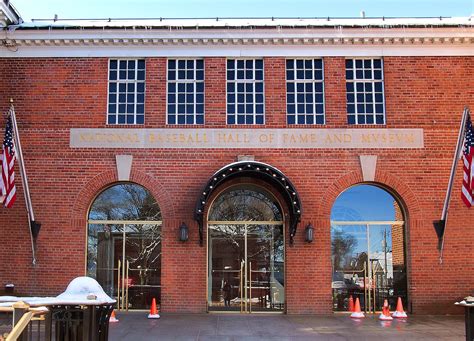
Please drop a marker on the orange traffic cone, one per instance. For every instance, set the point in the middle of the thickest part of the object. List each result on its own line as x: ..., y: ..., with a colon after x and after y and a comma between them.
x: 357, y: 314
x: 153, y: 311
x: 399, y: 313
x: 112, y: 318
x: 385, y: 315
x: 351, y: 304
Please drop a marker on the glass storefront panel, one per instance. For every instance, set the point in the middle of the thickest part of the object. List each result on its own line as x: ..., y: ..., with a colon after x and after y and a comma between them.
x: 124, y: 245
x: 246, y: 252
x: 266, y: 267
x: 349, y: 259
x: 104, y: 250
x: 226, y: 256
x: 246, y: 267
x: 368, y: 249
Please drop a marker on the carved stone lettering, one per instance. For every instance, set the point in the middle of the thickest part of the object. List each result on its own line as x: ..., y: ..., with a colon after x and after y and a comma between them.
x: 246, y: 138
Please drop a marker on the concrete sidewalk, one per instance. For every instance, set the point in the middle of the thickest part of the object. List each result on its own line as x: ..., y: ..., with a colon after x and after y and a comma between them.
x: 136, y: 327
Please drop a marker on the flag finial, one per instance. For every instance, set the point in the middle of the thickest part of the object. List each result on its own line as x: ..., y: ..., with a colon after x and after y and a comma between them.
x: 11, y: 100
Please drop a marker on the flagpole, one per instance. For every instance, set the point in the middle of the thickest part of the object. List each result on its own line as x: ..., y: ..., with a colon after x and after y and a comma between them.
x: 457, y: 153
x: 24, y: 180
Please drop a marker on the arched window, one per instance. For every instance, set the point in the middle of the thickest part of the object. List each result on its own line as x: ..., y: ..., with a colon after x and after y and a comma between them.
x: 367, y: 248
x: 124, y: 244
x: 245, y: 204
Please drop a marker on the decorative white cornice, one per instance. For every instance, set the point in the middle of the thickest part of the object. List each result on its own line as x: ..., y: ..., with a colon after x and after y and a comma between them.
x: 244, y: 41
x: 323, y: 41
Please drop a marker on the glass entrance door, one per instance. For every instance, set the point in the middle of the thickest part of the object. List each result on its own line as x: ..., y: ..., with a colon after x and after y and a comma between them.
x: 246, y: 266
x: 125, y: 258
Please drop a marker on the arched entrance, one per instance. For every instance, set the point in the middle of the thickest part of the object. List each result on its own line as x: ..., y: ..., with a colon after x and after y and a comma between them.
x: 368, y: 248
x: 124, y: 245
x: 246, y: 251
x: 250, y: 207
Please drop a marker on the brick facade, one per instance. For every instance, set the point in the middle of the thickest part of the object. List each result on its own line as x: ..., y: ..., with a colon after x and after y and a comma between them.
x: 53, y: 95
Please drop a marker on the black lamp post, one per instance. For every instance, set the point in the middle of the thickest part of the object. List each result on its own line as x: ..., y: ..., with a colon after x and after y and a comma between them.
x: 309, y: 233
x: 183, y: 232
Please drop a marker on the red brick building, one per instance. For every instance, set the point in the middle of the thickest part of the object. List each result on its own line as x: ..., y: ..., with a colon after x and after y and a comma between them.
x: 235, y: 135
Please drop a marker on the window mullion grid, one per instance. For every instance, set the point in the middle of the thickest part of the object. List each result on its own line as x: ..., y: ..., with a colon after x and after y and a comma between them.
x: 176, y: 93
x: 383, y: 90
x: 117, y: 94
x: 254, y: 97
x: 372, y: 82
x: 356, y: 103
x: 194, y: 81
x: 297, y: 103
x: 135, y: 96
x: 236, y: 93
x: 374, y: 112
x: 306, y: 81
x: 168, y: 92
x: 313, y: 94
x: 322, y: 91
x: 126, y: 94
x: 313, y: 85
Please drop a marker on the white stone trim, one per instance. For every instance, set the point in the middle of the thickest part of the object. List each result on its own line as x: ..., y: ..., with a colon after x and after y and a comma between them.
x: 247, y: 138
x: 236, y: 51
x: 124, y: 166
x: 337, y: 41
x: 368, y: 165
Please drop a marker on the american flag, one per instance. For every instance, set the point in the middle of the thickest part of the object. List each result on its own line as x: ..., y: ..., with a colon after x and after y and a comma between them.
x: 7, y: 165
x: 467, y: 194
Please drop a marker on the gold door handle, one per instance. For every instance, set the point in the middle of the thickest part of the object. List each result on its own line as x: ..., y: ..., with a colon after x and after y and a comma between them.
x: 241, y: 287
x: 127, y: 285
x: 250, y: 287
x: 118, y: 284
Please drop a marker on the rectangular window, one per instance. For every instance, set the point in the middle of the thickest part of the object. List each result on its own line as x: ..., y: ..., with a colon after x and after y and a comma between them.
x: 126, y: 99
x: 304, y: 91
x: 185, y: 94
x: 245, y: 95
x: 365, y: 91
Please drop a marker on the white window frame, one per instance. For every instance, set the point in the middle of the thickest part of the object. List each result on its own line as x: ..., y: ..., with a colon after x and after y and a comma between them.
x: 305, y: 81
x: 245, y: 81
x: 126, y: 81
x: 365, y: 81
x: 186, y: 81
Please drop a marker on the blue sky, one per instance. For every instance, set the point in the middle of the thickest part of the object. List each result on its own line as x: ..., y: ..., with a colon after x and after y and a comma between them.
x: 242, y: 8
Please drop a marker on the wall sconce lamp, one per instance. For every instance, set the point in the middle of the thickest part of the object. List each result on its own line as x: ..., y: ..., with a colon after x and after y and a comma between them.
x: 183, y: 232
x: 309, y: 233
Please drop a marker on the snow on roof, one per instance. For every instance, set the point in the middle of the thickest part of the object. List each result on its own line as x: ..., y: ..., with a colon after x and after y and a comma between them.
x: 243, y: 22
x: 81, y: 290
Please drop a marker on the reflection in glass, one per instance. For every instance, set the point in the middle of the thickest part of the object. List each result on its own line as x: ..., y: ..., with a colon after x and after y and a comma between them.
x: 246, y: 260
x: 245, y: 204
x: 125, y: 202
x: 367, y: 248
x: 364, y: 203
x: 125, y: 258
